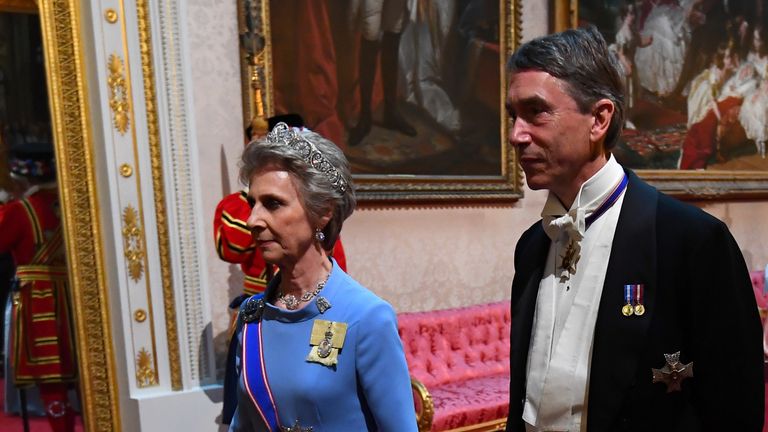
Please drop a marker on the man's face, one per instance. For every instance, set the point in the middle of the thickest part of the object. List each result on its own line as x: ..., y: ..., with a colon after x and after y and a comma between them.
x: 551, y: 135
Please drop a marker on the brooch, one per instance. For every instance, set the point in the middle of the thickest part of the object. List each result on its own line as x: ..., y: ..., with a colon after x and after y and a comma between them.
x: 326, y: 340
x: 252, y: 309
x: 323, y: 304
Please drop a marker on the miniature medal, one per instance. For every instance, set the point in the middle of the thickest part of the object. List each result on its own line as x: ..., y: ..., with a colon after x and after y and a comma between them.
x: 673, y: 373
x: 627, y: 309
x: 639, y: 308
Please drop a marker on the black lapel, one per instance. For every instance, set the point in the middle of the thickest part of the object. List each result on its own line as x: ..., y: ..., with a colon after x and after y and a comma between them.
x: 618, y: 339
x: 530, y: 257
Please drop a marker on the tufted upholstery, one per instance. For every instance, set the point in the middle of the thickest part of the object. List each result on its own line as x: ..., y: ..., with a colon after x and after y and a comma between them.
x: 462, y: 357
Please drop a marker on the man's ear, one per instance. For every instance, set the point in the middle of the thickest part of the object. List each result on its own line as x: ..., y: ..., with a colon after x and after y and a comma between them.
x: 602, y: 113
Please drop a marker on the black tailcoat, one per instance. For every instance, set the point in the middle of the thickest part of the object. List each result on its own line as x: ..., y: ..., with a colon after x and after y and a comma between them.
x: 699, y: 301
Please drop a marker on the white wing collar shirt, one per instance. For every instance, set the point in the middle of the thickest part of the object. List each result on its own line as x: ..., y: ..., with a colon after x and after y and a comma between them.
x: 568, y: 300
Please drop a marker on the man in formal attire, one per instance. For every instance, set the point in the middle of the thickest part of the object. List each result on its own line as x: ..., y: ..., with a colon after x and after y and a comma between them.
x: 630, y: 310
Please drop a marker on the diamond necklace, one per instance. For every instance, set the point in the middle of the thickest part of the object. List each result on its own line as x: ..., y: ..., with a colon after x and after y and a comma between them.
x: 292, y: 303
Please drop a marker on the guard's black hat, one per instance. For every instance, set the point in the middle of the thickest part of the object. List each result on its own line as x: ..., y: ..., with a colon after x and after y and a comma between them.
x: 30, y: 158
x: 292, y: 120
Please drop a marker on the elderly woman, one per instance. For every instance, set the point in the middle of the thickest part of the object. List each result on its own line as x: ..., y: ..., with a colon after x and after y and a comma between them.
x: 318, y: 352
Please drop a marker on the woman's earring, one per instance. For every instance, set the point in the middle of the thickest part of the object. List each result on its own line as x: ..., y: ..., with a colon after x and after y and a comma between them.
x: 319, y: 236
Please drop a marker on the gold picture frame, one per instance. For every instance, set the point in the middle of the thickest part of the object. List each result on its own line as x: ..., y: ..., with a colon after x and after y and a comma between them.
x: 432, y: 178
x: 699, y: 184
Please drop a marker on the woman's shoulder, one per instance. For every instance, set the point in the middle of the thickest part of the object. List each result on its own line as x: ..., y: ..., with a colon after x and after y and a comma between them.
x: 352, y: 296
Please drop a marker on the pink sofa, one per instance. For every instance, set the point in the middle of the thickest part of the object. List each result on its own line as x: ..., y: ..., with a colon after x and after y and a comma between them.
x: 459, y: 364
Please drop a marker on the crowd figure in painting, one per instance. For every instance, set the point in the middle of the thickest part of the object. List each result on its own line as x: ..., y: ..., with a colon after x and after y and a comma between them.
x: 709, y: 60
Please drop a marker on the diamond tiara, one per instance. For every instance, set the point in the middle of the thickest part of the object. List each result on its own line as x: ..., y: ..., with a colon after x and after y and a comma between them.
x: 286, y: 135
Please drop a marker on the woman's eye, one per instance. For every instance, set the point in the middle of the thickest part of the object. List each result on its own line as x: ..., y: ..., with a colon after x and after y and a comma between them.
x: 251, y: 202
x: 272, y: 204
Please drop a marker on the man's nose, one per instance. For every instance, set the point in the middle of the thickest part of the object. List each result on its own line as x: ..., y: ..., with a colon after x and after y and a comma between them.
x: 518, y: 132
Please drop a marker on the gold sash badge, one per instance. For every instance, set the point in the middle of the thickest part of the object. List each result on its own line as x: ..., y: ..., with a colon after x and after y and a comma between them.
x: 326, y: 340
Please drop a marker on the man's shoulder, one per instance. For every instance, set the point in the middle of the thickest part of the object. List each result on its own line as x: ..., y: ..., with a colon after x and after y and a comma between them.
x: 536, y: 229
x: 673, y: 212
x: 685, y: 222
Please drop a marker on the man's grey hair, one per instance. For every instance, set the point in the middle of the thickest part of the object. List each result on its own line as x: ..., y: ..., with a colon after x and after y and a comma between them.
x: 580, y: 58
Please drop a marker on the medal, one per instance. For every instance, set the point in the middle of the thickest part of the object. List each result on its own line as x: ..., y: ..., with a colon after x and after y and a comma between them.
x: 627, y: 309
x: 633, y: 300
x: 639, y: 308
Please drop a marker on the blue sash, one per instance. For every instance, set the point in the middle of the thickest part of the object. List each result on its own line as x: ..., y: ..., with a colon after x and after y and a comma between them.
x: 255, y: 376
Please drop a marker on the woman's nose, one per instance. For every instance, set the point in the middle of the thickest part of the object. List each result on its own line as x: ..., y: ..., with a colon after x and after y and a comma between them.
x: 255, y: 220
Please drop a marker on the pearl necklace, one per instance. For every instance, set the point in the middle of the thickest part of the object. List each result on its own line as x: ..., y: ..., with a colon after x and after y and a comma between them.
x: 292, y: 303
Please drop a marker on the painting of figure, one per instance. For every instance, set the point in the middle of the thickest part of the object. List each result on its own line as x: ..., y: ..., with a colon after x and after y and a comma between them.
x: 695, y: 71
x: 404, y: 87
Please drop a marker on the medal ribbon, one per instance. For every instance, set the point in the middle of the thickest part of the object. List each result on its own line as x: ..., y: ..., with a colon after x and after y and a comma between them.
x: 608, y: 203
x: 628, y: 294
x: 255, y: 376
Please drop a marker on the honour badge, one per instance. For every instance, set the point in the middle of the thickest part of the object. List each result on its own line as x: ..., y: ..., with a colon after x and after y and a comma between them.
x: 673, y: 373
x: 327, y: 339
x: 569, y: 259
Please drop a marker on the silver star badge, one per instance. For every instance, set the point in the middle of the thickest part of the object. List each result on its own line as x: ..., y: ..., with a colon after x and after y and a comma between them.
x: 296, y: 428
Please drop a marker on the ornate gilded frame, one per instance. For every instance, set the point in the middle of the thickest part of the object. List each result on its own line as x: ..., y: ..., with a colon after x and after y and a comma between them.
x: 68, y: 99
x: 684, y: 184
x: 258, y: 102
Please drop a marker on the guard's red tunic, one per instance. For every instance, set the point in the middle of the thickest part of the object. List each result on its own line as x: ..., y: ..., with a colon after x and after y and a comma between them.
x: 42, y: 341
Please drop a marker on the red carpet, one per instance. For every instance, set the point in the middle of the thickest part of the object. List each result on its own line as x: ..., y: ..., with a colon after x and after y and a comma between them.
x: 12, y: 423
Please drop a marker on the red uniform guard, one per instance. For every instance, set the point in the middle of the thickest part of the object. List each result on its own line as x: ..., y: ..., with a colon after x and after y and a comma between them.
x: 43, y: 348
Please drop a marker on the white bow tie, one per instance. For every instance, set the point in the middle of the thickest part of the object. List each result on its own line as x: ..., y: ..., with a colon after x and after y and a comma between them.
x: 572, y: 224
